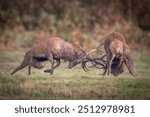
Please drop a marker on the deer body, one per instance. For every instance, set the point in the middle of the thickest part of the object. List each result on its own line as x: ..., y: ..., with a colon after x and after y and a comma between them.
x: 52, y: 49
x: 116, y: 49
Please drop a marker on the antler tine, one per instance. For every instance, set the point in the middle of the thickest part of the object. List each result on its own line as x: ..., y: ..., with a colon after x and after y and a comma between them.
x: 99, y: 61
x: 102, y: 65
x: 84, y: 67
x: 95, y: 62
x: 97, y: 49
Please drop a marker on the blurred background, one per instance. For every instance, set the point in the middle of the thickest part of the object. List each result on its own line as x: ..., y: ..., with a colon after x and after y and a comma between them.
x: 84, y: 22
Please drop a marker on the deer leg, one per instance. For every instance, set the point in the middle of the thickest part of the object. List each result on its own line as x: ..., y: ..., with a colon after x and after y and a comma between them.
x: 105, y: 67
x: 105, y: 70
x: 29, y: 69
x: 30, y: 65
x: 110, y: 58
x: 130, y: 67
x: 24, y: 63
x: 104, y: 73
x: 129, y: 63
x: 19, y: 68
x: 57, y: 64
x: 50, y: 58
x: 109, y: 64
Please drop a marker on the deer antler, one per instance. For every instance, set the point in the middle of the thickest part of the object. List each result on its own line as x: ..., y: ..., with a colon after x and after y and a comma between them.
x: 94, y: 61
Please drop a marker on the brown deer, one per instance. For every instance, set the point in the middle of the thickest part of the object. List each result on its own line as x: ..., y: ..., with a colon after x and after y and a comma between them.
x: 53, y: 50
x: 117, y: 55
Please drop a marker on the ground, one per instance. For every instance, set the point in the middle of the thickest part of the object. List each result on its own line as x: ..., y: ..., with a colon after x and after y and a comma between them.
x: 71, y: 83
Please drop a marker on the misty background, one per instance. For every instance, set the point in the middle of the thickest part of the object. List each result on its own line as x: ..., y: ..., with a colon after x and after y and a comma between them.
x: 84, y: 22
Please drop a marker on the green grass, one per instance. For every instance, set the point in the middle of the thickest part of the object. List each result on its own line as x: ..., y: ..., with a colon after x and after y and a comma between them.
x: 71, y: 83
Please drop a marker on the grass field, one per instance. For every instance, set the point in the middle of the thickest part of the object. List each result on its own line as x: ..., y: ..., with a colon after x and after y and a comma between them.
x: 71, y: 83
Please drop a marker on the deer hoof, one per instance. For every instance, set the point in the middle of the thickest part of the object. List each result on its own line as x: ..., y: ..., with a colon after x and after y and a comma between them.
x: 49, y: 71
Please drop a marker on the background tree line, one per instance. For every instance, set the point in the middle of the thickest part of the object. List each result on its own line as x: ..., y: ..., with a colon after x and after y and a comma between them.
x: 83, y: 21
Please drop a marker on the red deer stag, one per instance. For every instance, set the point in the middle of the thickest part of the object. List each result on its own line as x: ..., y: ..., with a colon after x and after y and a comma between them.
x: 117, y: 54
x: 54, y: 49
